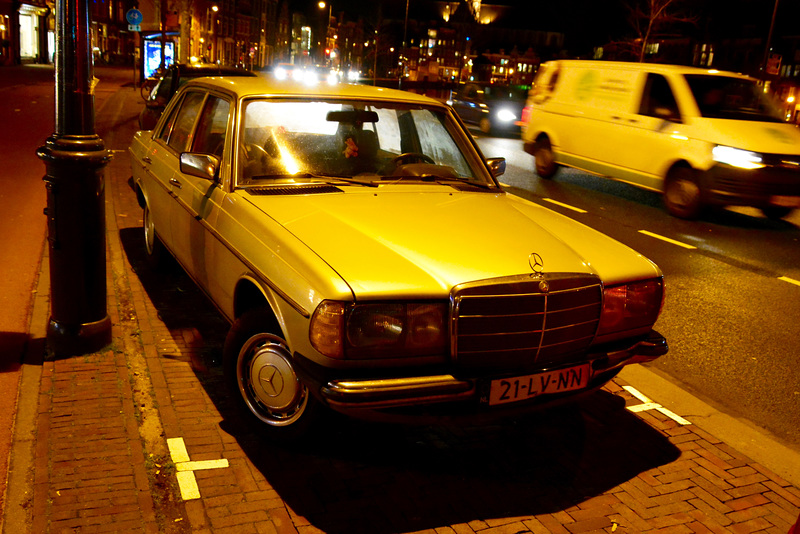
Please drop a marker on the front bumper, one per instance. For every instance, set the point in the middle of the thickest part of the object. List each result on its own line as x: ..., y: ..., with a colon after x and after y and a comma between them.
x: 354, y: 395
x: 777, y: 184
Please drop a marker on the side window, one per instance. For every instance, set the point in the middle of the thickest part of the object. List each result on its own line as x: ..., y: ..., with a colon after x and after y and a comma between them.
x: 181, y: 135
x: 163, y: 134
x: 658, y: 99
x: 212, y: 126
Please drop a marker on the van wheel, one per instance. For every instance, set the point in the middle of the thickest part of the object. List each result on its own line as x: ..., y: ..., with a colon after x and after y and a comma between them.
x: 260, y: 375
x: 545, y: 161
x: 776, y: 212
x: 682, y: 194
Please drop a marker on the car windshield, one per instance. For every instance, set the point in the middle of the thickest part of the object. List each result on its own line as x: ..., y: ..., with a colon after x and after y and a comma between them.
x: 343, y: 139
x: 722, y: 97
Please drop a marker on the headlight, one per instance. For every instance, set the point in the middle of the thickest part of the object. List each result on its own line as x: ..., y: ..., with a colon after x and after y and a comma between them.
x: 630, y: 308
x: 380, y: 330
x: 737, y: 157
x: 506, y: 115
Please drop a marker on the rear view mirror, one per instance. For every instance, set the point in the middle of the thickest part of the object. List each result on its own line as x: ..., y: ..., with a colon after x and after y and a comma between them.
x: 497, y: 166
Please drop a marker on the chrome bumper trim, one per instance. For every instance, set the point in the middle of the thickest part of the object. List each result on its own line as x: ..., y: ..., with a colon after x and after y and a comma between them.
x: 397, y: 391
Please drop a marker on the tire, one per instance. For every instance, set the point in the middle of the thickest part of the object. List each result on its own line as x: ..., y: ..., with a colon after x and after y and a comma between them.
x: 485, y: 125
x: 154, y: 249
x: 546, y: 166
x: 260, y: 375
x: 776, y: 213
x: 682, y: 193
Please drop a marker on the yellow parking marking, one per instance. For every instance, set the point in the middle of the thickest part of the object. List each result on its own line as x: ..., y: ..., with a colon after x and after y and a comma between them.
x: 203, y: 464
x: 188, y: 485
x: 647, y: 404
x: 668, y: 240
x: 557, y: 203
x: 790, y: 280
x: 186, y: 468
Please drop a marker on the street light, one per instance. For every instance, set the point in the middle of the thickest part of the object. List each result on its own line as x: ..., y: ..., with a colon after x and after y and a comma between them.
x: 321, y: 5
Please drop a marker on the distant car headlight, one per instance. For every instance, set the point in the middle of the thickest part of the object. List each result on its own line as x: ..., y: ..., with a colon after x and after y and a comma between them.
x: 506, y: 115
x: 630, y: 308
x: 736, y: 157
x: 379, y: 330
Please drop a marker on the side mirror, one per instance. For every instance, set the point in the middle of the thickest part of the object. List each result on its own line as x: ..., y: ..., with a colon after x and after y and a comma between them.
x: 201, y: 165
x: 497, y: 166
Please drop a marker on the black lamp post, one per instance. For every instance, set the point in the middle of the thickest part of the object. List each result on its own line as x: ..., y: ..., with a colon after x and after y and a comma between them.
x: 74, y: 158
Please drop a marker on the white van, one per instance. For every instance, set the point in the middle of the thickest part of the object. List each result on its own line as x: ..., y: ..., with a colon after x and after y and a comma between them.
x: 702, y: 137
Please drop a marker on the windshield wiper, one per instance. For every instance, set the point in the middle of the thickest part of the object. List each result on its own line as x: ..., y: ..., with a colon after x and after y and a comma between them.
x: 326, y: 177
x: 441, y: 180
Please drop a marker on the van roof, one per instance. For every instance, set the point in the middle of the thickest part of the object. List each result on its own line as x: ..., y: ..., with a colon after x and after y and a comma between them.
x: 649, y: 67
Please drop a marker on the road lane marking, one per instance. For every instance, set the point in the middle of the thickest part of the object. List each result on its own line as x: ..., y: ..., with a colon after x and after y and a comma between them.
x: 668, y: 240
x: 557, y: 203
x: 790, y: 280
x: 186, y: 468
x: 647, y: 404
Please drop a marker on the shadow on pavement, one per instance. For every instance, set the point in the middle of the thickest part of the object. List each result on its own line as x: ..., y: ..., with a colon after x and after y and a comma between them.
x: 355, y: 476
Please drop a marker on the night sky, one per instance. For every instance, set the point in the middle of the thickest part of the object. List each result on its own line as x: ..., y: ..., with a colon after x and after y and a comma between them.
x: 588, y: 23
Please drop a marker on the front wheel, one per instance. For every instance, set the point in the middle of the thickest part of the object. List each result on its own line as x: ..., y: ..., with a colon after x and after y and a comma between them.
x: 260, y: 374
x: 682, y: 193
x: 776, y: 213
x: 546, y: 166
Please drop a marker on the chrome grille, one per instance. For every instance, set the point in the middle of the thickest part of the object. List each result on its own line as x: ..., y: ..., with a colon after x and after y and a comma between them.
x: 516, y: 322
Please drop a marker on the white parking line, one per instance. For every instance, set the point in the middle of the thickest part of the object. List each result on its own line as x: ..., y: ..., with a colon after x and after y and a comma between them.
x: 557, y: 203
x: 668, y: 240
x: 186, y: 480
x: 647, y: 404
x: 790, y: 280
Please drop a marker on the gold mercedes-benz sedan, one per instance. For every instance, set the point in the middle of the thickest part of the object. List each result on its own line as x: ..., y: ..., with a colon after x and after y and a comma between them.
x: 370, y: 263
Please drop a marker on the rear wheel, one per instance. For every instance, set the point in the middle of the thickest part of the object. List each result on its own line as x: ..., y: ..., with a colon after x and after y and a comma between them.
x: 260, y: 374
x: 682, y: 193
x: 153, y: 248
x: 545, y: 161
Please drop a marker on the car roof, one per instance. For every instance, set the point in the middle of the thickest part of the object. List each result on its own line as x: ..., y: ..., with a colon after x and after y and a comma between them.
x: 209, y: 69
x: 266, y: 85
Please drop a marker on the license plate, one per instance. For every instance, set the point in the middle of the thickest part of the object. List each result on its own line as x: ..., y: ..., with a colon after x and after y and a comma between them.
x: 524, y: 387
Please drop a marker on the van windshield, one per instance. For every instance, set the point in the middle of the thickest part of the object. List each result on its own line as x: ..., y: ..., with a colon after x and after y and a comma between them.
x: 722, y: 97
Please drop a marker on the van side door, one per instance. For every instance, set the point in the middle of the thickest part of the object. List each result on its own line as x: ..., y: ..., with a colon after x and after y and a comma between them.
x: 657, y: 134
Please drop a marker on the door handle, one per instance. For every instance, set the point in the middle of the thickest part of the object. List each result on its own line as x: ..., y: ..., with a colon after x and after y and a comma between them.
x: 147, y: 159
x: 175, y: 182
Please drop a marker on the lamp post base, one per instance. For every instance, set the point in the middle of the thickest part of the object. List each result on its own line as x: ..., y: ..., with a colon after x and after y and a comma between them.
x: 75, y: 339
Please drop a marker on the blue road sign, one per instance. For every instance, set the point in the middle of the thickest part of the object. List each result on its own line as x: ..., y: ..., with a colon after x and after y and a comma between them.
x: 134, y: 16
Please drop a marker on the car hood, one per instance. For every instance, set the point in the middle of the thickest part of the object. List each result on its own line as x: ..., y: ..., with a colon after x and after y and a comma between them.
x: 421, y: 241
x: 765, y: 137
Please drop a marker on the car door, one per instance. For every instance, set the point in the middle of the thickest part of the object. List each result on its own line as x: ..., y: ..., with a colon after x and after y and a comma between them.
x: 468, y: 104
x: 198, y: 198
x: 160, y: 164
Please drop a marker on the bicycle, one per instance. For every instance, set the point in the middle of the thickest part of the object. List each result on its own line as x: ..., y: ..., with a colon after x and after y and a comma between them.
x: 147, y: 87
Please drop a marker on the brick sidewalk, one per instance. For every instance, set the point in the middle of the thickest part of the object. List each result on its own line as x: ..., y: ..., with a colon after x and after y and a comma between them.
x: 101, y: 462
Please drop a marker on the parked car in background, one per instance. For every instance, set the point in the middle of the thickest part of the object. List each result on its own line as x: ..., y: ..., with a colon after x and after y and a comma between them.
x: 495, y: 109
x: 174, y: 77
x: 371, y: 264
x: 702, y: 137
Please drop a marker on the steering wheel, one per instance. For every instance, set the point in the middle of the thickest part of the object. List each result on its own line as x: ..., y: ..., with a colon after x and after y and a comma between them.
x: 411, y: 157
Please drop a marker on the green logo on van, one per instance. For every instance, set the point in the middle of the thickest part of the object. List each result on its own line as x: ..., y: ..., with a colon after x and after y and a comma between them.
x: 586, y: 85
x: 779, y: 135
